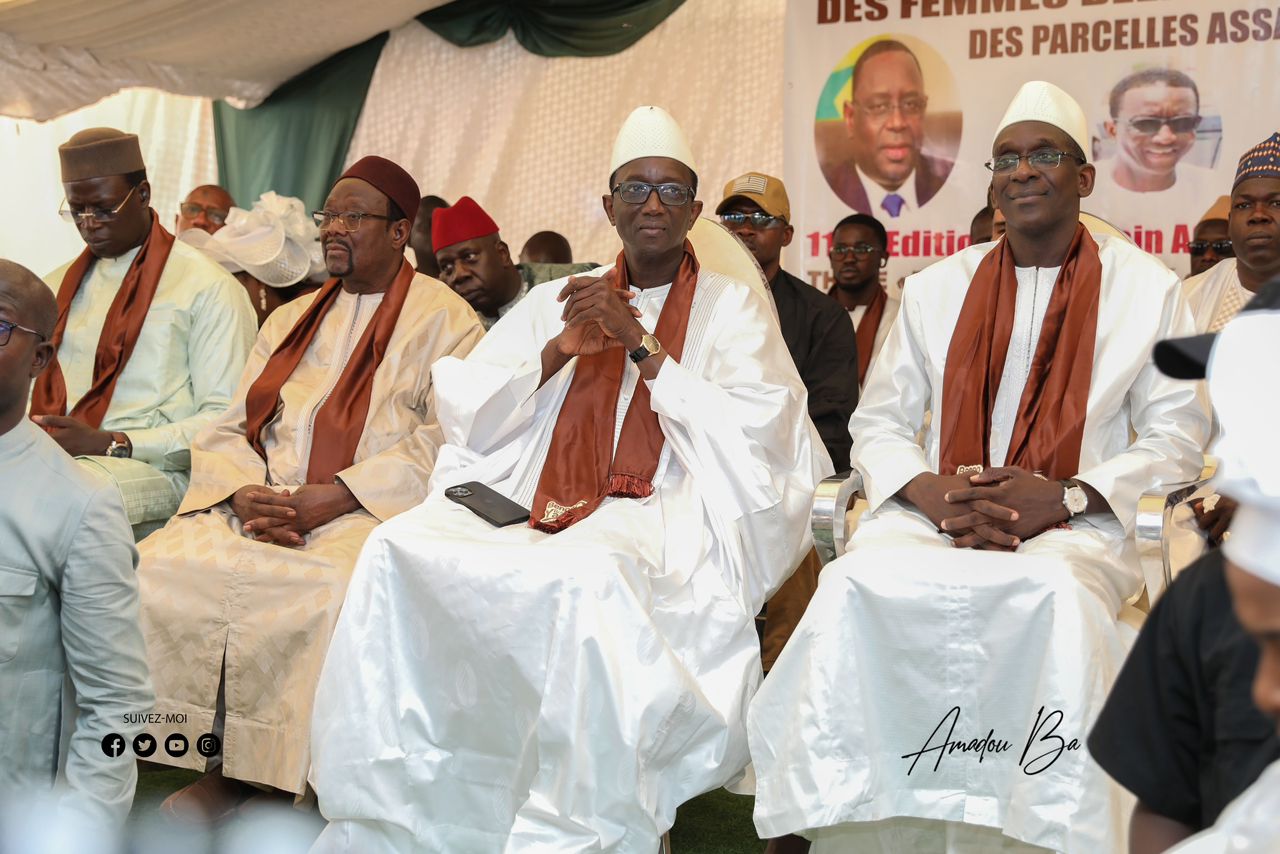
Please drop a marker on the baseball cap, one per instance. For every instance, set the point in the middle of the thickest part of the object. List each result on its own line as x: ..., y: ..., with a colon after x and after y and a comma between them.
x: 765, y: 190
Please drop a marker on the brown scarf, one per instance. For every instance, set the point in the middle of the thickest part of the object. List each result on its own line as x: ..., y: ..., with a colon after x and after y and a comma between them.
x: 1050, y: 422
x: 119, y: 334
x: 868, y: 327
x: 340, y: 422
x: 582, y: 467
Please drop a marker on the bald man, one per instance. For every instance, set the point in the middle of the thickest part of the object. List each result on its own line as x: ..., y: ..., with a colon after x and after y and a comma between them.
x: 206, y: 208
x: 546, y: 247
x: 68, y: 597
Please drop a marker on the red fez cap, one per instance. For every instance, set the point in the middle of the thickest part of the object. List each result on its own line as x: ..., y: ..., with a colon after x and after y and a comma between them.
x: 389, y: 179
x: 464, y: 221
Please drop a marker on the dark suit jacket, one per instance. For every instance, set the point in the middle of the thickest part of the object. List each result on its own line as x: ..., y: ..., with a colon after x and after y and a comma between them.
x: 931, y: 173
x: 821, y: 341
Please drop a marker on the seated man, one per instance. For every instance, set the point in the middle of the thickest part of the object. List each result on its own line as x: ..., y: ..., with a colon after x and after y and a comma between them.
x: 151, y: 334
x: 332, y: 430
x: 1180, y: 730
x: 68, y: 596
x: 420, y: 237
x: 821, y: 342
x: 565, y: 685
x: 1033, y: 355
x: 476, y: 263
x: 859, y: 251
x: 1211, y: 240
x: 546, y: 247
x: 205, y: 208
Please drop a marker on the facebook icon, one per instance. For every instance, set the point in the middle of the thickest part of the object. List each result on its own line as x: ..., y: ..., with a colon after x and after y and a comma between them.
x: 113, y: 744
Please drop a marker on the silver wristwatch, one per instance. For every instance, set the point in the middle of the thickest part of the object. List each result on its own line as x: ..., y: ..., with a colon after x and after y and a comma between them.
x: 119, y: 446
x: 1073, y: 497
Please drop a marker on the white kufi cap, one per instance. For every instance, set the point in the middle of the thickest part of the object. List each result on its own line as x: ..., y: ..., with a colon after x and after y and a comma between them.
x: 1248, y: 412
x: 1039, y: 101
x: 276, y: 242
x: 650, y: 132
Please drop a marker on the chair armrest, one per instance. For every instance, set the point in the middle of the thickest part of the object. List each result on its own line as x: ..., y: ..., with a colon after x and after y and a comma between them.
x: 1151, y: 531
x: 830, y: 504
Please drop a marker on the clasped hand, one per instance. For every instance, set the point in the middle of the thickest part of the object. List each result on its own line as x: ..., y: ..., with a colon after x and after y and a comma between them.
x: 285, y: 517
x: 597, y: 316
x: 996, y: 509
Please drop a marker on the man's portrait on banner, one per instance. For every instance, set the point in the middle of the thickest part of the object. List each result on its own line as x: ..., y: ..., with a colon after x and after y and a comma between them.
x: 1156, y: 132
x: 887, y: 126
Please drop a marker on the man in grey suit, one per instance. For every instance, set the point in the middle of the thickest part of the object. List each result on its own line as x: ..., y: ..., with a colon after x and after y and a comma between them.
x: 68, y: 597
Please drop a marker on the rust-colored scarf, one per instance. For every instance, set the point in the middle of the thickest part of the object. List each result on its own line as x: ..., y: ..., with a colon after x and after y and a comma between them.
x: 340, y: 422
x: 1050, y: 423
x: 868, y: 327
x: 582, y: 467
x: 119, y: 334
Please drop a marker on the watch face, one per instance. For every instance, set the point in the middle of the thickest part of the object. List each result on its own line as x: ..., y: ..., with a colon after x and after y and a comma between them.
x: 1077, y: 501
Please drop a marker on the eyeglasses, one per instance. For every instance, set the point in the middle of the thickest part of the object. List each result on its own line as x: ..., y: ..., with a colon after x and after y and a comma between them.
x: 191, y: 210
x: 1042, y: 161
x: 757, y: 219
x: 912, y: 106
x: 1219, y: 247
x: 93, y: 214
x: 6, y: 332
x: 1150, y: 125
x: 638, y: 192
x: 841, y: 250
x: 350, y: 220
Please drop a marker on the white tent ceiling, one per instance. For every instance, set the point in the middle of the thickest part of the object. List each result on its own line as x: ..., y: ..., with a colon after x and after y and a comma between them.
x: 57, y: 55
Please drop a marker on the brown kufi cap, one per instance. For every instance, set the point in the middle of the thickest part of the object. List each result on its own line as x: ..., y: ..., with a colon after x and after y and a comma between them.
x: 390, y: 179
x: 99, y: 153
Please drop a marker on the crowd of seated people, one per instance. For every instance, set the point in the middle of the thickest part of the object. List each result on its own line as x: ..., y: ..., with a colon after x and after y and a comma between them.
x: 467, y: 552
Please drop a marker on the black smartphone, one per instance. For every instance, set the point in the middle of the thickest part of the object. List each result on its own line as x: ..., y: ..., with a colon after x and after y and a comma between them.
x: 489, y: 504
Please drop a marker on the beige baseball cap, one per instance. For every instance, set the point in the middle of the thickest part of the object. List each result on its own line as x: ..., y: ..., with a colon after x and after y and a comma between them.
x: 765, y: 190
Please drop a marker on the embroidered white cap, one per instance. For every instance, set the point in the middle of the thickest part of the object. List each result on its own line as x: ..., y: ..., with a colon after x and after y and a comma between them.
x: 1038, y: 101
x: 1246, y: 448
x: 276, y: 242
x: 650, y: 132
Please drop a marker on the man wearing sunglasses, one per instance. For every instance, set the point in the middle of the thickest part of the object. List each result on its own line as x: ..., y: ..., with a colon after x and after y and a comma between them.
x: 206, y: 208
x: 1210, y: 240
x: 151, y: 334
x: 333, y: 429
x: 68, y: 596
x: 1153, y: 119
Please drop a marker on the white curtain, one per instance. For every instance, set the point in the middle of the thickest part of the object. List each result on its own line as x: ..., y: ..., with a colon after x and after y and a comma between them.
x: 529, y: 137
x: 176, y: 135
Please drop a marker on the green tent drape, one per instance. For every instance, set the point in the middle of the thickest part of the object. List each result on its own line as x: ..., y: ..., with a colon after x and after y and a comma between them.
x: 550, y: 27
x: 296, y: 141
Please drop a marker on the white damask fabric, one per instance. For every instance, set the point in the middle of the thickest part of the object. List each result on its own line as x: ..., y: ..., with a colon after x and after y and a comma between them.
x: 529, y: 137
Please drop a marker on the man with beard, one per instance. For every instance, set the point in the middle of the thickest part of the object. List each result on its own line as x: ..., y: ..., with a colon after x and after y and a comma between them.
x: 981, y: 589
x: 475, y: 261
x: 564, y: 685
x: 859, y: 251
x: 333, y: 429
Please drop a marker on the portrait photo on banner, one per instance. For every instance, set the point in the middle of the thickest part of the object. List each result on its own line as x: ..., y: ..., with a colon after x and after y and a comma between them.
x: 888, y: 125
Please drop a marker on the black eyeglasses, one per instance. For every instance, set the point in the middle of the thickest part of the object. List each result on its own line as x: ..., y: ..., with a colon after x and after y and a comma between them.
x: 6, y: 332
x: 191, y: 210
x: 1219, y: 247
x: 93, y: 214
x: 1150, y: 125
x: 841, y: 250
x: 1042, y: 161
x: 638, y: 192
x: 350, y: 220
x: 758, y: 219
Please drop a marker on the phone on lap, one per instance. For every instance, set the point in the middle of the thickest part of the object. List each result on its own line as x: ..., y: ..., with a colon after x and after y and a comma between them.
x: 487, y: 503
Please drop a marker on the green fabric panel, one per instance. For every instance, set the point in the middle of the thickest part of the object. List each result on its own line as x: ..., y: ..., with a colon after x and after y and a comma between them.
x: 296, y: 141
x: 563, y: 28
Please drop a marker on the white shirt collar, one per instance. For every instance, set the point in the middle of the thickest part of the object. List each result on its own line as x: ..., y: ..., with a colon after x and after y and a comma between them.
x: 876, y: 194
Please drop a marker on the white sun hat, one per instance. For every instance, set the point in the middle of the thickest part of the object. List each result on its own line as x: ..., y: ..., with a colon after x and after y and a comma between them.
x: 1038, y: 101
x: 650, y: 132
x: 275, y: 242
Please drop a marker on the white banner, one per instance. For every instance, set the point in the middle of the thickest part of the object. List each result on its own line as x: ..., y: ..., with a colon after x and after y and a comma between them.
x: 1174, y: 92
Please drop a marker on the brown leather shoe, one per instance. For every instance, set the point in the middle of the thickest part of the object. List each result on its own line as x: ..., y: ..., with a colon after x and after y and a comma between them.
x: 207, y: 801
